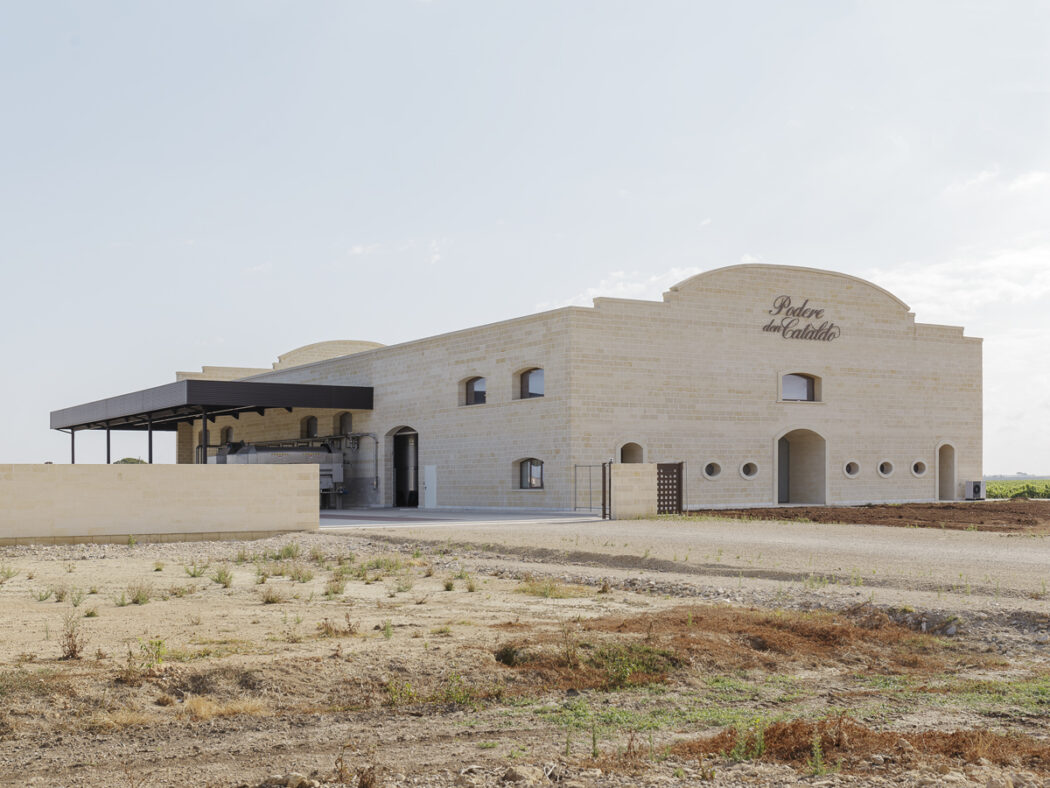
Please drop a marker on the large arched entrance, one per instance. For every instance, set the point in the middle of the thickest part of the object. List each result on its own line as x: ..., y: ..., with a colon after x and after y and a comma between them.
x: 406, y: 467
x: 801, y: 468
x: 946, y: 472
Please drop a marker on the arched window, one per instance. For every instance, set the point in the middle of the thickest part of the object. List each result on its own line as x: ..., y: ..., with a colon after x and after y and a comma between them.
x: 226, y: 435
x: 475, y: 390
x: 799, y: 387
x: 308, y: 427
x: 531, y: 383
x: 531, y: 474
x: 630, y: 452
x: 343, y: 424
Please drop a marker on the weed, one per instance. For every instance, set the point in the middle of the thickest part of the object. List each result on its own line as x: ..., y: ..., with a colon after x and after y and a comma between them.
x: 816, y: 764
x: 298, y: 572
x: 456, y: 691
x: 91, y: 612
x: 158, y: 566
x: 273, y: 595
x: 334, y: 587
x: 570, y: 646
x: 140, y: 593
x: 73, y: 640
x: 60, y: 593
x: 487, y: 745
x: 750, y: 742
x: 44, y: 594
x: 121, y: 601
x: 400, y: 692
x: 450, y: 584
x: 223, y: 576
x: 76, y: 596
x: 180, y: 591
x: 6, y: 573
x: 152, y: 652
x: 388, y: 629
x: 291, y: 628
x: 472, y: 586
x: 132, y: 541
x: 196, y: 569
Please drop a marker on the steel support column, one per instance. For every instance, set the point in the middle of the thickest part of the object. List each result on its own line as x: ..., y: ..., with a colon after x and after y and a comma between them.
x: 204, y: 436
x: 149, y: 432
x: 72, y: 447
x: 107, y: 444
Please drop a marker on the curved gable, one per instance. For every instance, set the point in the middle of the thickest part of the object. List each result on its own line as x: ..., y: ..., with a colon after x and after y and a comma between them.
x: 744, y: 277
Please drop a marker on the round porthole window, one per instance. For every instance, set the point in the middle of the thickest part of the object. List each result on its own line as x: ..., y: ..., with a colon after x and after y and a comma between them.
x: 885, y: 468
x: 851, y: 469
x: 918, y: 468
x: 712, y: 470
x: 749, y: 470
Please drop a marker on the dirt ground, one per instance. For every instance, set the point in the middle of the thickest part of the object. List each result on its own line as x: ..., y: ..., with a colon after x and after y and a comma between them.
x: 369, y: 658
x: 1014, y: 516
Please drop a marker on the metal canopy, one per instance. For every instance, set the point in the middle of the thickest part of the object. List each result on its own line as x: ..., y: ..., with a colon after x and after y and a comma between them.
x: 165, y: 407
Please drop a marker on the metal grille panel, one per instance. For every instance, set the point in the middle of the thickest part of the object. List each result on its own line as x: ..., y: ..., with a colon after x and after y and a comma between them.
x: 669, y: 488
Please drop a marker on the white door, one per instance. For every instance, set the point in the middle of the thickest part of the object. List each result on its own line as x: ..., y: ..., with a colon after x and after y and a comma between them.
x: 430, y: 477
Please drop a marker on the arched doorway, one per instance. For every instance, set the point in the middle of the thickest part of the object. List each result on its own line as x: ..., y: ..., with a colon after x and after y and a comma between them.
x: 406, y: 467
x: 946, y: 472
x: 631, y: 452
x: 801, y: 468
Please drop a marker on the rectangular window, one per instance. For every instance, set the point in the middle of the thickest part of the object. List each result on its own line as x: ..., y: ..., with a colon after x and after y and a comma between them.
x: 798, y: 388
x: 532, y: 384
x: 531, y: 475
x: 476, y: 391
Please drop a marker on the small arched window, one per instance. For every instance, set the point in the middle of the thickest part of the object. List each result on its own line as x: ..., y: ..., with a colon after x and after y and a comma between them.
x: 630, y: 452
x: 308, y: 427
x: 475, y: 391
x: 799, y: 387
x: 226, y: 435
x: 344, y: 424
x: 531, y: 383
x: 530, y: 474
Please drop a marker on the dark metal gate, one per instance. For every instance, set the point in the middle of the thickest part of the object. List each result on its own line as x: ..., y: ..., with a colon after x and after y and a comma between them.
x: 669, y: 487
x: 592, y: 485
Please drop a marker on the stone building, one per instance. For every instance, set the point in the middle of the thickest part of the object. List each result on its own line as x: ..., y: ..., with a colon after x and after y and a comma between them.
x: 772, y: 384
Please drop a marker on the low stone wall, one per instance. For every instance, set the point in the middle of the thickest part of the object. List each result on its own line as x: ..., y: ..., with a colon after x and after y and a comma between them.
x: 633, y: 490
x: 107, y: 503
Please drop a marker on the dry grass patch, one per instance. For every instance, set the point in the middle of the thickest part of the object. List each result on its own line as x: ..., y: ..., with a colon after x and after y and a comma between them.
x: 550, y: 589
x: 118, y: 719
x: 840, y: 742
x: 733, y: 638
x: 201, y: 707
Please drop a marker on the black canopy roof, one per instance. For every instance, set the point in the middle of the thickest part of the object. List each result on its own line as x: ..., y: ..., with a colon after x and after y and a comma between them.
x: 164, y: 407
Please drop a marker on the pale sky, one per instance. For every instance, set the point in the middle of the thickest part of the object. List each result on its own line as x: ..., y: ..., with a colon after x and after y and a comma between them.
x: 219, y: 182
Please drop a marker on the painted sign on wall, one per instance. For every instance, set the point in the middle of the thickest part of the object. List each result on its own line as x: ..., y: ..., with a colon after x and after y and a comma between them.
x: 787, y: 320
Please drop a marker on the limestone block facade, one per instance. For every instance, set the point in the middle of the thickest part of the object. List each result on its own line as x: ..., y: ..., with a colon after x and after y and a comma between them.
x: 772, y: 384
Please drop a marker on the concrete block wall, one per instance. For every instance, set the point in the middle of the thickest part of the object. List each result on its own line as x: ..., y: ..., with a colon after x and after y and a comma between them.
x: 633, y: 491
x: 76, y: 503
